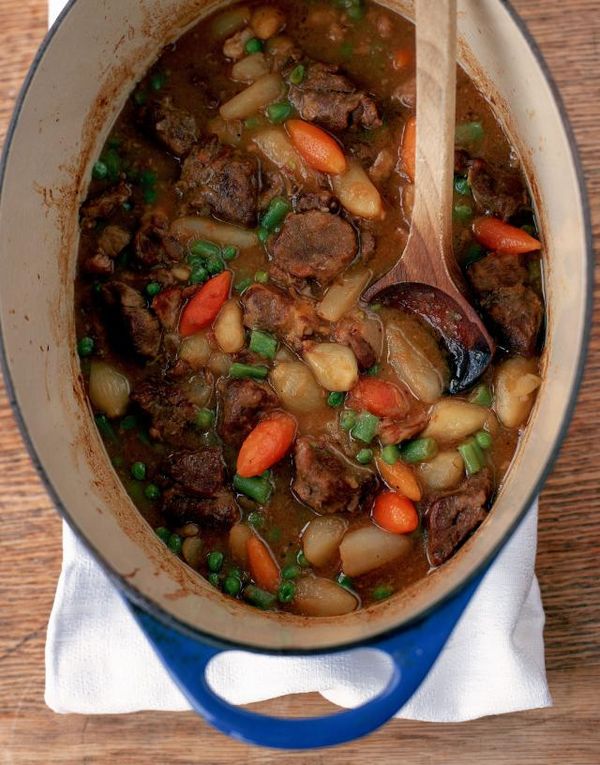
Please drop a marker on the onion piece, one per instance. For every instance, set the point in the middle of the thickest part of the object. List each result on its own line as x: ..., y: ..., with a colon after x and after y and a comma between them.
x: 231, y: 21
x: 514, y: 391
x: 452, y: 420
x: 343, y: 295
x: 370, y: 547
x: 322, y: 537
x: 443, y: 472
x: 416, y: 358
x: 229, y: 327
x: 192, y: 228
x: 274, y: 143
x: 333, y: 365
x: 357, y: 193
x: 195, y: 350
x: 250, y: 68
x: 261, y: 93
x: 238, y: 537
x: 108, y: 389
x: 317, y: 596
x: 296, y: 387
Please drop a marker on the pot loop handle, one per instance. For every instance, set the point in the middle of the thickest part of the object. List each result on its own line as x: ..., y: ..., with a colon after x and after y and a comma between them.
x: 412, y: 650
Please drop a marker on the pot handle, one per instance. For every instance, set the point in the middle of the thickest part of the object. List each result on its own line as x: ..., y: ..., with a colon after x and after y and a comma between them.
x: 413, y: 651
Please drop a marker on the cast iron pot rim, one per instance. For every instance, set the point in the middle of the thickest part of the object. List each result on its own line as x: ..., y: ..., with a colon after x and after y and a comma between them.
x: 132, y: 593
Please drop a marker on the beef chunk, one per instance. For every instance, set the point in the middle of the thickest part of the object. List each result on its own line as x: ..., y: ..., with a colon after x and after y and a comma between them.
x: 328, y: 97
x: 199, y: 472
x: 220, y: 180
x: 242, y: 404
x: 218, y: 512
x: 111, y: 242
x: 326, y: 481
x: 496, y: 191
x: 169, y: 409
x: 313, y: 245
x: 514, y: 308
x: 393, y: 430
x: 322, y: 200
x: 450, y: 518
x: 351, y: 332
x: 105, y: 204
x: 292, y: 320
x: 167, y: 305
x: 129, y: 315
x: 100, y: 264
x: 176, y: 128
x: 154, y: 245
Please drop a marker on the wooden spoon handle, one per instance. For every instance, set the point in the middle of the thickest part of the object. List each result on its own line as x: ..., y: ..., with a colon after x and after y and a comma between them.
x: 436, y: 110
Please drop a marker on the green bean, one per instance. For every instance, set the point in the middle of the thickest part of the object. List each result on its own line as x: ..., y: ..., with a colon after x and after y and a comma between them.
x: 259, y: 489
x: 240, y: 371
x: 419, y: 450
x: 365, y: 427
x: 263, y: 343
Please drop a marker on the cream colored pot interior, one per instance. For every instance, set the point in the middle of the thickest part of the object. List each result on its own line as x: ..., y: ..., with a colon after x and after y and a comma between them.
x: 80, y: 84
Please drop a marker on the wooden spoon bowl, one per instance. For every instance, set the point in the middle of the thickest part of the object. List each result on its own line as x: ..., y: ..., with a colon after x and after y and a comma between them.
x: 427, y: 280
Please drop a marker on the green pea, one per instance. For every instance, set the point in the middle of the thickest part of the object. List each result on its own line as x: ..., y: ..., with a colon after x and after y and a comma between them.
x: 286, y: 592
x: 347, y: 419
x: 365, y: 456
x: 205, y: 419
x: 163, y: 533
x: 280, y: 112
x: 345, y: 581
x: 158, y: 80
x: 251, y: 123
x: 290, y: 572
x: 199, y: 275
x: 140, y: 98
x: 335, y: 398
x: 150, y: 196
x: 262, y: 277
x: 374, y: 370
x: 214, y: 580
x: 461, y: 185
x: 297, y: 74
x: 382, y: 592
x: 105, y: 428
x: 229, y: 252
x: 129, y: 422
x: 214, y: 265
x: 214, y: 561
x: 256, y: 519
x: 174, y: 544
x: 243, y: 285
x: 253, y: 45
x: 85, y: 347
x: 148, y: 178
x: 99, y: 171
x: 390, y: 454
x: 462, y: 213
x: 232, y: 585
x: 138, y: 471
x: 474, y: 253
x: 302, y: 560
x: 153, y: 288
x: 152, y: 492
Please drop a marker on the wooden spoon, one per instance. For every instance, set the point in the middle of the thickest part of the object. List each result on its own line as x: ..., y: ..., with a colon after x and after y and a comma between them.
x: 427, y: 279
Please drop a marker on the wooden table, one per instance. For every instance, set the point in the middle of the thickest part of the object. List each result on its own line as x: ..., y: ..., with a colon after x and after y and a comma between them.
x: 568, y: 559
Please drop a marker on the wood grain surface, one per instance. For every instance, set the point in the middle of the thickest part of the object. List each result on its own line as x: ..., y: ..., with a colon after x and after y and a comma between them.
x: 568, y: 32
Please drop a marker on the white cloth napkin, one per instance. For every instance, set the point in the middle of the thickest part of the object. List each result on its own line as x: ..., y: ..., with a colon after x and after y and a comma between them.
x: 99, y: 662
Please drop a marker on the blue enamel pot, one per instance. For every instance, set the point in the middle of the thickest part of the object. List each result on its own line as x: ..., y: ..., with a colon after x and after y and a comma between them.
x: 78, y: 83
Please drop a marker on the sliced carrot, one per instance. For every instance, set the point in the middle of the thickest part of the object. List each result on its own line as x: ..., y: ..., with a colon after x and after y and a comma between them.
x: 400, y: 477
x: 409, y: 147
x: 269, y: 442
x: 395, y: 513
x: 402, y: 58
x: 318, y: 148
x: 378, y: 397
x: 495, y: 234
x: 204, y: 305
x: 263, y: 568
